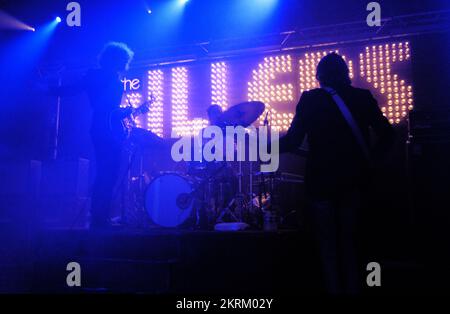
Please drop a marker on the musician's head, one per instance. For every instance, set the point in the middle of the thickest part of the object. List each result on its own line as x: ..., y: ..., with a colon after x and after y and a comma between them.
x: 332, y: 71
x: 214, y: 113
x: 115, y: 57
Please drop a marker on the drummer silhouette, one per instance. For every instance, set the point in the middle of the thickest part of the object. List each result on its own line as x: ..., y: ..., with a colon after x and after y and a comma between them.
x: 215, y: 113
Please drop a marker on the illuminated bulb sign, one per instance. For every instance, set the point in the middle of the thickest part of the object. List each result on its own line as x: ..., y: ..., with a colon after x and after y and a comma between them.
x: 183, y: 93
x: 131, y: 84
x: 376, y: 66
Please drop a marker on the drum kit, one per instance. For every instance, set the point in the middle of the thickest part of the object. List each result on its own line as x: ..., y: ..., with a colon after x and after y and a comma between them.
x: 201, y: 195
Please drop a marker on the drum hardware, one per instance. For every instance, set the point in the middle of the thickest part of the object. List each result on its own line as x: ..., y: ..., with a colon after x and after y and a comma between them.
x: 132, y: 188
x: 187, y: 197
x: 124, y: 184
x: 272, y: 199
x: 212, y: 202
x: 200, y: 197
x: 279, y: 177
x: 236, y: 201
x: 227, y: 210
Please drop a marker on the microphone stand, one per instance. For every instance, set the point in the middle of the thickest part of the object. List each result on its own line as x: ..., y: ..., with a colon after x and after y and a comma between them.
x: 57, y: 120
x: 263, y: 182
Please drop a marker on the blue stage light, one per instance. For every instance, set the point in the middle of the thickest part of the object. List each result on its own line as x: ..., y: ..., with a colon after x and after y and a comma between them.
x: 184, y: 1
x: 149, y: 11
x: 10, y: 22
x: 58, y: 19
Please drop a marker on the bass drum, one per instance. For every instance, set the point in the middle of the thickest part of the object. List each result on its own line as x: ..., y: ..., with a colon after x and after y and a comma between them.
x: 162, y: 200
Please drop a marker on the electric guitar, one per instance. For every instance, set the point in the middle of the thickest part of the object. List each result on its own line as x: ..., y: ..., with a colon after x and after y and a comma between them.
x: 122, y: 120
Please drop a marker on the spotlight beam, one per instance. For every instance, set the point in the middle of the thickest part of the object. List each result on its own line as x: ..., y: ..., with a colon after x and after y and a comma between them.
x: 7, y: 21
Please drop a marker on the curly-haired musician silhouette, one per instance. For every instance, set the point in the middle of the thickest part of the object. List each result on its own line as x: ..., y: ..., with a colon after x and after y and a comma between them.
x: 105, y: 90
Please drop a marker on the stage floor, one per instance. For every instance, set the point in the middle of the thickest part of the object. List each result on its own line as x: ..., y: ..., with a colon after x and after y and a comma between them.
x: 182, y: 262
x: 172, y: 261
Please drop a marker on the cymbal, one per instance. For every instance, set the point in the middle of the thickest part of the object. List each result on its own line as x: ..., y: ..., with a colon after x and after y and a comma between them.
x: 243, y: 114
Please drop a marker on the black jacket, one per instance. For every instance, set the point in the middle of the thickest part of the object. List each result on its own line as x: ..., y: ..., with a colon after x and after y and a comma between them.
x: 104, y: 90
x: 335, y: 160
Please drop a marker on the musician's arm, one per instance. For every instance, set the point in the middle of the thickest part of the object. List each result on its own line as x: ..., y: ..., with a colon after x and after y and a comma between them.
x: 125, y: 112
x: 296, y: 133
x: 381, y: 126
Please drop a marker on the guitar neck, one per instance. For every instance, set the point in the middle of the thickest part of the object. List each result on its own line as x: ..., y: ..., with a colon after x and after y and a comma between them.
x: 139, y: 110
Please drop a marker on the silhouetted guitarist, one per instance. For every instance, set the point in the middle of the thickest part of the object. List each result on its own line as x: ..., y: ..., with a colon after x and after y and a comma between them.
x: 336, y: 119
x: 105, y: 90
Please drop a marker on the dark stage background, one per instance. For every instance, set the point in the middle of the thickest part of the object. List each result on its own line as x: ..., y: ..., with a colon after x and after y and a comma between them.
x: 409, y: 220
